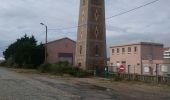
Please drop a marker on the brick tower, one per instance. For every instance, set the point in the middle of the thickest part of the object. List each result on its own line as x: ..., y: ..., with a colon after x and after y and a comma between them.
x: 91, y: 36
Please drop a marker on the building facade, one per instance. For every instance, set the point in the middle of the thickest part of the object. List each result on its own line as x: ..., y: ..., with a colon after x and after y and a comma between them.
x: 91, y: 36
x: 166, y: 54
x: 142, y: 58
x: 61, y: 50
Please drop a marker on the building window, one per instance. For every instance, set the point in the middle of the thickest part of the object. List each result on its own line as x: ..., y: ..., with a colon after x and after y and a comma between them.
x: 97, y: 50
x: 129, y: 49
x: 118, y: 50
x: 113, y: 50
x: 135, y: 49
x: 80, y: 49
x: 123, y: 50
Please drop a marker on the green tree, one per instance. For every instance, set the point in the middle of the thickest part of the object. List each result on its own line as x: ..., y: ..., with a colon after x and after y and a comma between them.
x: 25, y: 52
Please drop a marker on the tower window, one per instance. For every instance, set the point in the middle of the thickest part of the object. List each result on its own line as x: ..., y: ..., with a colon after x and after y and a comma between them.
x: 84, y: 2
x: 96, y: 15
x: 79, y: 64
x: 97, y: 50
x: 80, y: 49
x: 83, y: 16
x: 96, y: 32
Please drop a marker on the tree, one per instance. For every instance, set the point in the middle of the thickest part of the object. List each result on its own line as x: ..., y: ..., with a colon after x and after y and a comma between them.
x: 25, y: 51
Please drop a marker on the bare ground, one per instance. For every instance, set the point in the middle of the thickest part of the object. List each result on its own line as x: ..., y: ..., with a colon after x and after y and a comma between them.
x: 94, y: 88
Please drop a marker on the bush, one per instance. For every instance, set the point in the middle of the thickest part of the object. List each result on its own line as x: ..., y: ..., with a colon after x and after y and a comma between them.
x: 3, y: 63
x: 44, y: 68
x: 10, y: 61
x: 28, y: 66
x: 64, y: 68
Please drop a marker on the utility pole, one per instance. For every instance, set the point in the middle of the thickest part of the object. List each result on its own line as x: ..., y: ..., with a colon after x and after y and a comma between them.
x: 46, y: 30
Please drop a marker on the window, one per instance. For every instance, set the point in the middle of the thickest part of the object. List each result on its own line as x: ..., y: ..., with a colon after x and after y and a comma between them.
x: 117, y: 64
x: 83, y: 16
x: 81, y: 34
x: 84, y: 2
x: 96, y: 32
x: 80, y: 49
x: 135, y: 49
x: 79, y: 64
x: 96, y: 15
x: 164, y: 68
x: 123, y: 50
x: 129, y: 49
x: 113, y: 50
x: 97, y: 50
x: 117, y: 50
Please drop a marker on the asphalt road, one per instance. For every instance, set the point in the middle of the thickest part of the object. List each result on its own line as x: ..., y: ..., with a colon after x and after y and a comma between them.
x: 17, y: 86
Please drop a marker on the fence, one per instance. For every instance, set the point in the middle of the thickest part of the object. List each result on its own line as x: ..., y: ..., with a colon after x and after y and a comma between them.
x: 136, y: 77
x: 113, y: 73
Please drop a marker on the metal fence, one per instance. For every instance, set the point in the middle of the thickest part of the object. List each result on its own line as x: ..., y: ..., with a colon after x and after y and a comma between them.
x: 136, y: 77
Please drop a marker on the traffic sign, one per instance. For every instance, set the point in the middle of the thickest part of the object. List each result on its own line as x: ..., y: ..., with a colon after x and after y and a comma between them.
x: 122, y: 68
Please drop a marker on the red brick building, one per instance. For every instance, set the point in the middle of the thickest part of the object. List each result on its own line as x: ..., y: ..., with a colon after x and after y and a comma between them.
x: 61, y: 50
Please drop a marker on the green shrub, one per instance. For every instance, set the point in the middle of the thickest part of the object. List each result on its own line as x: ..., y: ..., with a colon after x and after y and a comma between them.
x: 3, y: 63
x: 44, y: 68
x: 10, y: 62
x: 64, y: 68
x: 63, y: 63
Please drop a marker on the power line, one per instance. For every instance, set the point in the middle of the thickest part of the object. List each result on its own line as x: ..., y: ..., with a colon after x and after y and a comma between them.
x: 68, y: 27
x: 122, y: 13
x: 119, y: 14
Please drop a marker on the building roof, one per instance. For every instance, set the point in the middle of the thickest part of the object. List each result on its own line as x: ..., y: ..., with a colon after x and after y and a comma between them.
x: 139, y: 43
x: 61, y: 40
x: 167, y: 48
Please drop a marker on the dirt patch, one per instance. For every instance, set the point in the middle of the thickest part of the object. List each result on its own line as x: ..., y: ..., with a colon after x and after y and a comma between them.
x: 27, y: 71
x: 104, y: 89
x: 128, y: 90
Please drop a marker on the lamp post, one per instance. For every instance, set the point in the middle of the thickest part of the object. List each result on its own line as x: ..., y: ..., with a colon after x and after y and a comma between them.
x: 45, y: 41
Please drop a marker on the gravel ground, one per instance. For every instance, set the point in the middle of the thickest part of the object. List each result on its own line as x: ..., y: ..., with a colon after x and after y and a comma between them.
x: 29, y: 85
x: 20, y: 85
x: 14, y: 86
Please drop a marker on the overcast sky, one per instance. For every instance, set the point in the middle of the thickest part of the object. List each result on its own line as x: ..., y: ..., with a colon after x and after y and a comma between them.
x: 17, y: 17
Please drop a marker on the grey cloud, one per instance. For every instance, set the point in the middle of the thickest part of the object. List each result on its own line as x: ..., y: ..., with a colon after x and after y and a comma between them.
x: 18, y: 17
x: 117, y: 29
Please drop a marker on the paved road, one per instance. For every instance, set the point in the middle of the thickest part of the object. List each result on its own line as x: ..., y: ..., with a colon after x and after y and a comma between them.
x: 16, y: 86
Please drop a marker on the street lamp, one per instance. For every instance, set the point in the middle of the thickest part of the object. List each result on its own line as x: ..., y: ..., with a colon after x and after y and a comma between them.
x: 45, y: 41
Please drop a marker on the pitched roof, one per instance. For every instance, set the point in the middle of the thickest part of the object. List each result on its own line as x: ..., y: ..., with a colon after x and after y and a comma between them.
x: 61, y: 39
